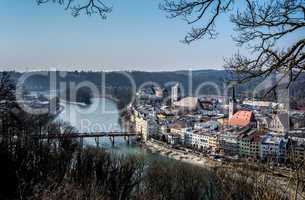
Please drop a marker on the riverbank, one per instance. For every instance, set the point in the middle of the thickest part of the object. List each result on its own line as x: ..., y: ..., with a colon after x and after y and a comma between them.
x: 165, y: 150
x: 276, y: 176
x: 159, y: 148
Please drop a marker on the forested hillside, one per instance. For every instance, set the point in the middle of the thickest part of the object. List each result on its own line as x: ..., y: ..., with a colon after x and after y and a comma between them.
x: 118, y: 84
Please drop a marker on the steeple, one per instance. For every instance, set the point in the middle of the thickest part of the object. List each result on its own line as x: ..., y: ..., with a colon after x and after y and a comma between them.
x: 232, y: 103
x: 233, y: 94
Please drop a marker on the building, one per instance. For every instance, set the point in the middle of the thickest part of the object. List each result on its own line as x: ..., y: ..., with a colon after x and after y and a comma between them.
x: 262, y: 122
x: 232, y: 104
x: 213, y: 142
x: 146, y: 126
x: 243, y: 118
x: 209, y: 125
x: 165, y: 115
x: 176, y: 129
x: 249, y: 144
x: 174, y: 139
x: 158, y: 92
x: 207, y: 104
x: 273, y: 147
x: 263, y: 104
x: 164, y: 128
x: 280, y: 123
x: 188, y: 104
x: 175, y: 93
x: 200, y: 139
x: 188, y: 136
x: 297, y: 120
x: 296, y: 149
x: 228, y: 142
x: 223, y: 121
x: 229, y: 139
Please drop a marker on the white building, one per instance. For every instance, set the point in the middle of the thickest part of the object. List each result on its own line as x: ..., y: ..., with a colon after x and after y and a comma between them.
x: 196, y: 138
x: 209, y: 126
x: 263, y: 104
x: 175, y: 93
x: 187, y: 104
x: 174, y: 139
x: 280, y: 123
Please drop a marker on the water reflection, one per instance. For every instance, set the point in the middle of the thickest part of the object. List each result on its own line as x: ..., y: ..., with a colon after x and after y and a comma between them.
x: 101, y: 116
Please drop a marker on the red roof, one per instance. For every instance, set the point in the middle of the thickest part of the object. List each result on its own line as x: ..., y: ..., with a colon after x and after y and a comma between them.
x: 241, y: 118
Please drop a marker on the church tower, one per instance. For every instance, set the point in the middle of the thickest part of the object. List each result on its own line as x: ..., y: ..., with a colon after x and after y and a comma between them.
x: 232, y: 104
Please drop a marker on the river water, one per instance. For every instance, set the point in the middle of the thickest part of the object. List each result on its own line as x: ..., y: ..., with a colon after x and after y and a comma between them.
x: 101, y: 116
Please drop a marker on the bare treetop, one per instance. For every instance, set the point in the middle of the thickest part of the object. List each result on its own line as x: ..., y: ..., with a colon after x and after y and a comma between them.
x: 88, y: 7
x: 193, y: 11
x: 259, y: 26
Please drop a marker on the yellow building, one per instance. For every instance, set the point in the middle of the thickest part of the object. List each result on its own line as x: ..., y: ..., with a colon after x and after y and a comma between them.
x: 223, y: 121
x: 213, y: 142
x: 164, y: 116
x: 177, y: 127
x: 141, y: 127
x: 145, y: 126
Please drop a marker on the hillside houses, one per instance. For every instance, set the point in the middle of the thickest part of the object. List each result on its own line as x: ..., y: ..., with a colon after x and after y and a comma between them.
x: 203, y: 125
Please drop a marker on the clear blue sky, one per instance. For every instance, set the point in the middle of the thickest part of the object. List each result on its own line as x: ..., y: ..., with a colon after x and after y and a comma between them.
x: 136, y: 36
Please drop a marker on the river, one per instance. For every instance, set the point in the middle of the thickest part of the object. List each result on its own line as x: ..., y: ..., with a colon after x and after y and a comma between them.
x: 101, y: 116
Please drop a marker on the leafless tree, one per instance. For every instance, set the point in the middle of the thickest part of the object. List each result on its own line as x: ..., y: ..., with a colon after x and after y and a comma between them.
x: 88, y: 7
x: 7, y: 88
x: 260, y: 26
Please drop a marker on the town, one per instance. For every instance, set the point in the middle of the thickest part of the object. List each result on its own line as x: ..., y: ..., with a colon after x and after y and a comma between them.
x: 238, y: 129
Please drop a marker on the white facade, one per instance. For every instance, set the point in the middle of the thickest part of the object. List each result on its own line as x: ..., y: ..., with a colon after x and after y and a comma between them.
x: 232, y: 108
x: 280, y: 123
x: 196, y: 138
x: 262, y: 103
x: 175, y: 93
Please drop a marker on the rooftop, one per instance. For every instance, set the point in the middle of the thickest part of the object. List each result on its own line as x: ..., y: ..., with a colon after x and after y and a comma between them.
x: 271, y: 139
x: 188, y: 103
x: 241, y: 118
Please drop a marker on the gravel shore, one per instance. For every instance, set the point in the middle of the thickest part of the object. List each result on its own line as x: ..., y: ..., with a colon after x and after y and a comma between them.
x: 161, y: 149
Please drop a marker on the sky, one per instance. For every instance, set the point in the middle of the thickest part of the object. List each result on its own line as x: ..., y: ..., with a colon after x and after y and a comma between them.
x: 135, y: 36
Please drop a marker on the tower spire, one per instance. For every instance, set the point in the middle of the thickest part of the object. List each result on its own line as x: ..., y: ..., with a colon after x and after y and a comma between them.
x: 233, y: 94
x: 232, y: 103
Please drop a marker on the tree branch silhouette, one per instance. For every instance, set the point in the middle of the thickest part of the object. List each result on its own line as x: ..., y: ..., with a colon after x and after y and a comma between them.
x: 260, y: 26
x: 88, y: 7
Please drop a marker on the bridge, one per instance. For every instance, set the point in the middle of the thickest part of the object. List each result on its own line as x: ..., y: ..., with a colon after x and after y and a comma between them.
x: 96, y: 135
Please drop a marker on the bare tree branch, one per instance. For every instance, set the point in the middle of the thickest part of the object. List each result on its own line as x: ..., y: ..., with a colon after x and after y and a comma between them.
x: 193, y: 11
x: 259, y: 24
x: 88, y: 7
